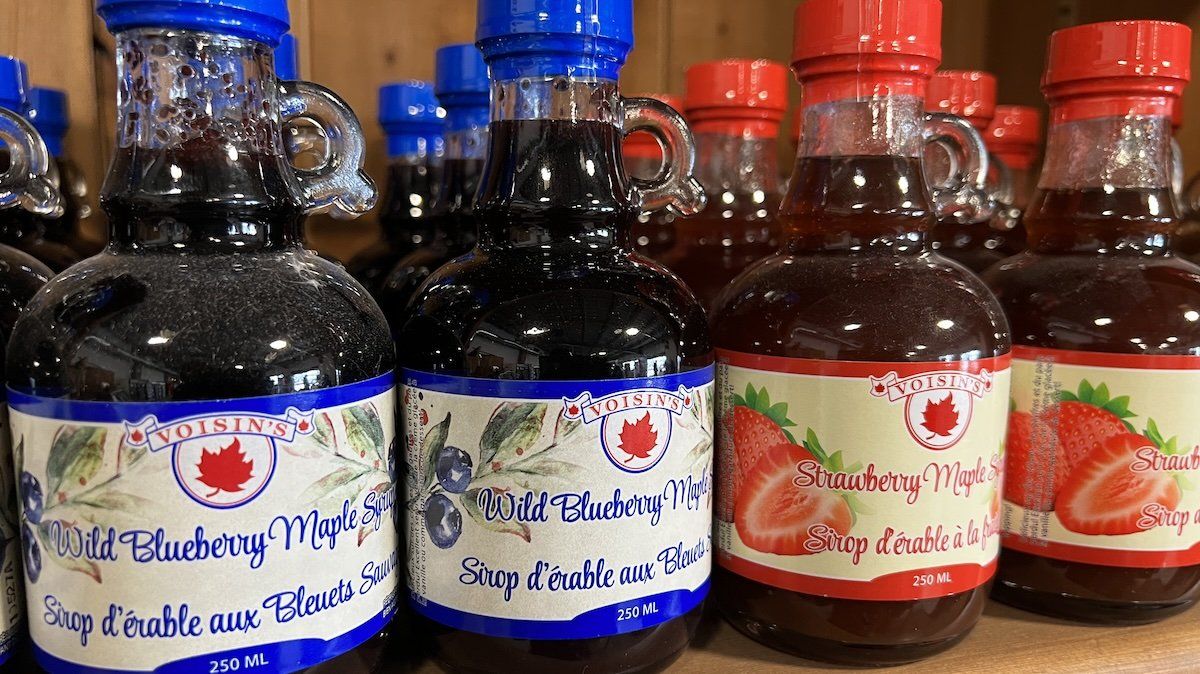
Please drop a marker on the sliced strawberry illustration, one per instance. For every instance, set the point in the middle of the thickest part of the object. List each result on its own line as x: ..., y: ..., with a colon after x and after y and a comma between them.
x: 753, y: 434
x: 1026, y: 462
x: 1103, y: 496
x: 1086, y: 419
x: 773, y: 515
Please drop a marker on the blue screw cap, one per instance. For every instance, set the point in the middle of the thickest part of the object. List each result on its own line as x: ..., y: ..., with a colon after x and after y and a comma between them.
x: 47, y: 111
x: 14, y: 80
x: 262, y: 20
x: 287, y: 58
x: 409, y: 114
x: 549, y: 38
x: 462, y: 86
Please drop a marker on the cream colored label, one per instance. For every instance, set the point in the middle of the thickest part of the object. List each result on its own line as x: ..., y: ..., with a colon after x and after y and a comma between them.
x: 1103, y: 458
x: 860, y: 480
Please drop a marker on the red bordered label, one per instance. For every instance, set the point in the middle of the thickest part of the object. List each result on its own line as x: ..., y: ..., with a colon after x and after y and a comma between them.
x: 861, y: 480
x: 1103, y: 458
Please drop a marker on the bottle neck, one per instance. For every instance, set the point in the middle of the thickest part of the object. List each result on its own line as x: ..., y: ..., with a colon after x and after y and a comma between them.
x: 1105, y: 187
x: 858, y: 185
x: 553, y: 173
x: 736, y: 167
x: 200, y: 161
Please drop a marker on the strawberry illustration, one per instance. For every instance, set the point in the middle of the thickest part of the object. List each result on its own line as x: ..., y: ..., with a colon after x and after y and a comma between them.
x: 775, y: 516
x: 757, y: 426
x: 1025, y: 466
x: 1102, y: 496
x: 1086, y: 419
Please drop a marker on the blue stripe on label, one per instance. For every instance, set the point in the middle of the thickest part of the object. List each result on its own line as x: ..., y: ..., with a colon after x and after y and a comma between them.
x: 276, y: 658
x: 619, y: 618
x: 549, y: 389
x: 116, y: 412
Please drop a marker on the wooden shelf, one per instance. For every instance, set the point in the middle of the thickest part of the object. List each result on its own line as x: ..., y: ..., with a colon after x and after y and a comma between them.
x: 1006, y: 640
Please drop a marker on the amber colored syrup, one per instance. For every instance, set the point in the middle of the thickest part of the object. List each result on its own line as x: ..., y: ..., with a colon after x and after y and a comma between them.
x: 717, y: 244
x: 855, y: 281
x: 1085, y: 264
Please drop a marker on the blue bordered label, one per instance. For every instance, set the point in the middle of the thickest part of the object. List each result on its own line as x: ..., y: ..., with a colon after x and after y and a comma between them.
x: 249, y: 535
x: 12, y: 601
x: 558, y: 509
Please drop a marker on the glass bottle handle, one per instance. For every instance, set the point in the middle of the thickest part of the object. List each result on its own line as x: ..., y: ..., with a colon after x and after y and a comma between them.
x: 963, y: 195
x: 27, y: 182
x: 675, y: 186
x: 338, y: 185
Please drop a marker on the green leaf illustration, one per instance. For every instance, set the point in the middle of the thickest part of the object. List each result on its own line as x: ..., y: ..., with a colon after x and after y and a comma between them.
x: 323, y: 431
x: 331, y: 490
x: 435, y: 440
x: 470, y: 503
x: 84, y: 566
x: 364, y: 430
x: 75, y: 456
x: 510, y: 433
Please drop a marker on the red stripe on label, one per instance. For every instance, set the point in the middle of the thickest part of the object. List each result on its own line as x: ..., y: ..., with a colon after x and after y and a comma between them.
x: 926, y: 583
x: 860, y: 368
x: 1135, y: 361
x: 1136, y: 559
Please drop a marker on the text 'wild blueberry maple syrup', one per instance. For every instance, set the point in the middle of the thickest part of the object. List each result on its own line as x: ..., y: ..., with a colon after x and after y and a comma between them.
x: 462, y: 88
x: 970, y: 241
x: 862, y: 379
x: 735, y: 108
x: 203, y: 413
x: 556, y: 384
x: 1014, y: 137
x: 654, y: 233
x: 1102, y: 464
x: 25, y: 185
x: 409, y: 113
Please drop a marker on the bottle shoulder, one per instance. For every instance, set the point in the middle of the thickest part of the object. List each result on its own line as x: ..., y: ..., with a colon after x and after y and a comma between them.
x: 860, y: 307
x: 580, y: 314
x: 202, y: 325
x: 1112, y: 303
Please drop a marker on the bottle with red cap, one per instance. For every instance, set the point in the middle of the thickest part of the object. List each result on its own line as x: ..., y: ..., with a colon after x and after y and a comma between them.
x: 1102, y: 475
x: 967, y: 235
x: 654, y: 232
x: 862, y: 378
x: 735, y: 108
x: 1014, y: 138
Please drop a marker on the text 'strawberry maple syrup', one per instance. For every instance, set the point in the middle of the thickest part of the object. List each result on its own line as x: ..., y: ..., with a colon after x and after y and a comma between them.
x: 862, y: 379
x: 1102, y: 466
x: 462, y: 87
x: 654, y: 233
x: 203, y: 414
x: 557, y: 386
x: 27, y: 185
x: 1015, y: 137
x: 971, y: 241
x: 48, y: 111
x: 409, y: 113
x: 735, y: 108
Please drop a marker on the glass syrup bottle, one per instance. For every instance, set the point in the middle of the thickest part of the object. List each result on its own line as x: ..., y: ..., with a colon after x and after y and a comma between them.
x: 654, y: 233
x: 972, y: 242
x: 1014, y: 137
x: 462, y: 88
x: 556, y: 383
x: 1101, y: 458
x: 409, y: 113
x: 48, y: 111
x: 735, y: 108
x: 26, y: 184
x: 862, y: 378
x: 202, y: 414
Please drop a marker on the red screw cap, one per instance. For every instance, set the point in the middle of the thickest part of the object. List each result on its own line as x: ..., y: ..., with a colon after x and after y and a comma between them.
x: 737, y: 96
x: 1015, y: 135
x: 642, y: 144
x: 970, y: 94
x: 1119, y: 67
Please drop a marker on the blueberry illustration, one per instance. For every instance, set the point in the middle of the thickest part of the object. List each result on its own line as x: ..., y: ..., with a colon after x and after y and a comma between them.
x: 454, y: 469
x: 33, y: 554
x: 31, y: 496
x: 442, y: 520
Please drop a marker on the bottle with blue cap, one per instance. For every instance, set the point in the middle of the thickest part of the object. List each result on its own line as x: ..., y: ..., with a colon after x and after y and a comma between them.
x: 558, y: 386
x: 462, y: 89
x: 24, y: 187
x: 410, y: 115
x: 205, y: 410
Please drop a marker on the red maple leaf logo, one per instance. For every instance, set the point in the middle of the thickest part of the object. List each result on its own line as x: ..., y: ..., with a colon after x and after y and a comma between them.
x: 573, y: 410
x: 136, y: 436
x: 639, y: 439
x: 940, y: 417
x: 226, y: 469
x: 303, y: 425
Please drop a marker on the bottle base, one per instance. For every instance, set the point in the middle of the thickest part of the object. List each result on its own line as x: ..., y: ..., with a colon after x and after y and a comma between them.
x: 1097, y: 612
x: 838, y: 652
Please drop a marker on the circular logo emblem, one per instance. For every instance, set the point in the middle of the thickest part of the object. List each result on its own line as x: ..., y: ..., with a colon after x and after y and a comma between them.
x: 636, y: 439
x: 937, y: 419
x: 224, y: 471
